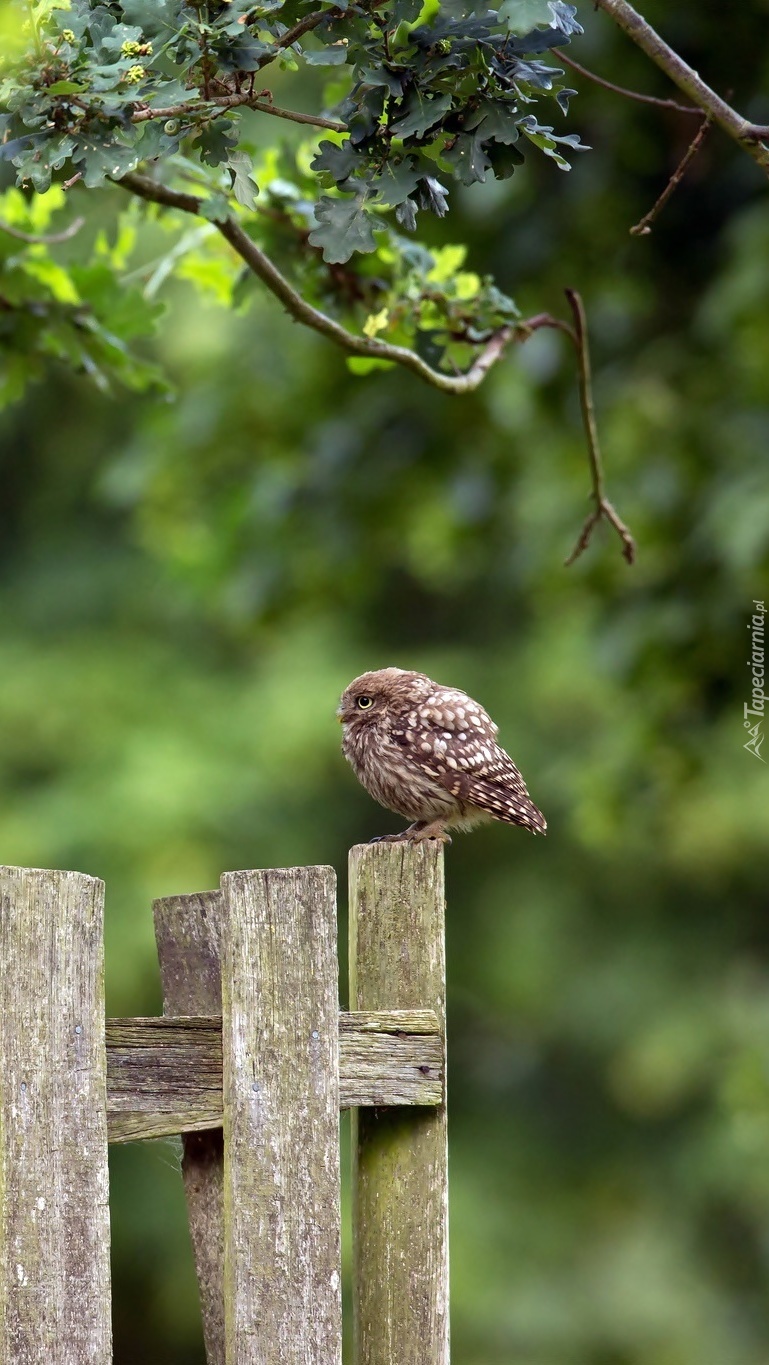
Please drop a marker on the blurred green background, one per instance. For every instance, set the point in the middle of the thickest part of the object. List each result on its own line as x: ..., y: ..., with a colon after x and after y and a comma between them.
x: 189, y: 583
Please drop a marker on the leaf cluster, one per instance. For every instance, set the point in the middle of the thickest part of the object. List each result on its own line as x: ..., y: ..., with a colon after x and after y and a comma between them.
x: 434, y: 101
x: 401, y: 291
x: 428, y: 92
x: 83, y: 315
x: 421, y: 96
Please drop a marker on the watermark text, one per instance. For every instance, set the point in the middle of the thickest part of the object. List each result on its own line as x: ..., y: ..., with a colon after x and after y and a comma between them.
x: 753, y: 711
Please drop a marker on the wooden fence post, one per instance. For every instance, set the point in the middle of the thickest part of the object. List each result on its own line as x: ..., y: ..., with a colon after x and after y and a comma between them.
x: 54, y: 1215
x: 188, y: 935
x: 400, y: 1158
x: 280, y: 1053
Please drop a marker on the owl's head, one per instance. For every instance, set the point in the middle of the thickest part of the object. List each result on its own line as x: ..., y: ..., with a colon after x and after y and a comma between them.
x: 373, y: 695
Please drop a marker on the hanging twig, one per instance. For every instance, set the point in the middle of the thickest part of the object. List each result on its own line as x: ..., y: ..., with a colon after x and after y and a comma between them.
x: 622, y: 90
x: 644, y: 227
x: 602, y: 508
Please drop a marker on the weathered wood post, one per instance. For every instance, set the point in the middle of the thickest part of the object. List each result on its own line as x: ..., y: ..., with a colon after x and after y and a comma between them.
x: 165, y: 1075
x: 400, y: 1156
x: 280, y: 1054
x: 252, y: 1042
x: 54, y: 1217
x: 189, y: 938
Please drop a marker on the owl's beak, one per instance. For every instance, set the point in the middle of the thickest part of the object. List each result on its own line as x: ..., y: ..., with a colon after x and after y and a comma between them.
x: 340, y: 715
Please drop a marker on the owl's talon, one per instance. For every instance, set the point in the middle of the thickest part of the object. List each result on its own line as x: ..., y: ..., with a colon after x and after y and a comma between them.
x: 428, y: 833
x: 415, y: 834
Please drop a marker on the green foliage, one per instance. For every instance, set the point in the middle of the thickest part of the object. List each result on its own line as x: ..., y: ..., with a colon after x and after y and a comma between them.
x: 421, y: 97
x: 85, y: 93
x: 187, y: 586
x: 83, y: 316
x: 344, y: 227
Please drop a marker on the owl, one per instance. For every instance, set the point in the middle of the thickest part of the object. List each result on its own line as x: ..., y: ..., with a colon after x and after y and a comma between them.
x: 430, y: 753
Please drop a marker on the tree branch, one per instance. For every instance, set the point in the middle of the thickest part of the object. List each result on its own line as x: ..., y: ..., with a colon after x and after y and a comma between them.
x: 292, y: 35
x: 157, y: 193
x: 302, y: 311
x: 747, y: 135
x: 621, y: 89
x: 305, y: 25
x: 52, y: 239
x: 221, y: 104
x: 602, y: 508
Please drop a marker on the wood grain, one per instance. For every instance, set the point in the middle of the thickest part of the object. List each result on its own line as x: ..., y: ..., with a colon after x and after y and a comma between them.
x: 280, y: 1051
x: 188, y: 936
x: 54, y: 1214
x: 164, y: 1075
x: 400, y: 1156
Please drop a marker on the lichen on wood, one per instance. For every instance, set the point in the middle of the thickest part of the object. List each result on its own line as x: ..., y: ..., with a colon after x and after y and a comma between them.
x: 188, y: 936
x: 400, y: 1156
x: 280, y: 1048
x: 54, y: 1213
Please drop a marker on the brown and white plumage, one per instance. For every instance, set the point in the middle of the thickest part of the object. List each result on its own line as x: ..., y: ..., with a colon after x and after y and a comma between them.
x: 431, y: 753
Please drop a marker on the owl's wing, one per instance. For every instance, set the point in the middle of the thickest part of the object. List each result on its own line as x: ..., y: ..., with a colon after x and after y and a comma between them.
x: 451, y: 738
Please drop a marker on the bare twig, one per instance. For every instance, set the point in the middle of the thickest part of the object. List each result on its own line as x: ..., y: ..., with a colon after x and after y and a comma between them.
x: 621, y: 89
x: 540, y: 320
x: 52, y: 239
x: 221, y: 104
x: 749, y: 136
x: 644, y: 227
x: 602, y: 508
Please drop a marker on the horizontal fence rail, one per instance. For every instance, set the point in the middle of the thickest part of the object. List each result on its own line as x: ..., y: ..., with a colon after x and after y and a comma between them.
x: 164, y: 1076
x: 251, y: 1062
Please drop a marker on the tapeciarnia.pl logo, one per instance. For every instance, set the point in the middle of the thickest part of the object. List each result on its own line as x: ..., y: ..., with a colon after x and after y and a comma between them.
x: 753, y: 711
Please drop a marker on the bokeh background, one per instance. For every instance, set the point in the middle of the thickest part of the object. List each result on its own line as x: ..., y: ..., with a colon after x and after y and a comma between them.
x: 189, y: 582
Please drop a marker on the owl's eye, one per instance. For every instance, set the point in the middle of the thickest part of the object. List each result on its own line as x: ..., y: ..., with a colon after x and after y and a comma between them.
x: 365, y: 702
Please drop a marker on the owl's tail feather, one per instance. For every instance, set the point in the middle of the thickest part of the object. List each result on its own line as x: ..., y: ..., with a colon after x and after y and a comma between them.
x: 529, y: 817
x: 506, y: 801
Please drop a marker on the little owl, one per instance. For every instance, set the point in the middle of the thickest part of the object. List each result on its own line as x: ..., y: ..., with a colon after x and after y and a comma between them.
x: 430, y: 753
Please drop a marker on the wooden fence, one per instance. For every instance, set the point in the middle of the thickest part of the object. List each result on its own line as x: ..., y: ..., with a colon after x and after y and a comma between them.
x: 251, y: 1061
